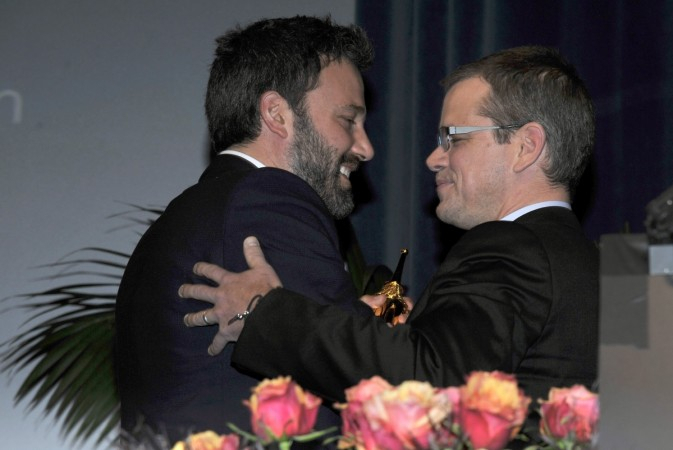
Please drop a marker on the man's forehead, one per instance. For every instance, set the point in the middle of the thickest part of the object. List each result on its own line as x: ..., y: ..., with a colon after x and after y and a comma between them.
x: 465, y: 97
x: 470, y: 90
x: 340, y: 83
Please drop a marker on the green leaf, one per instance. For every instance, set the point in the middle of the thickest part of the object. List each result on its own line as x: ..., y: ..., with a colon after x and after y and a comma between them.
x: 314, y: 435
x: 67, y: 344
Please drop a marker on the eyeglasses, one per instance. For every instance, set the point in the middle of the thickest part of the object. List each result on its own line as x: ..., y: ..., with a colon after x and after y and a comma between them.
x: 444, y: 137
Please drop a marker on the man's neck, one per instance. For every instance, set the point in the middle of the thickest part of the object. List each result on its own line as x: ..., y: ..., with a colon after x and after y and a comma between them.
x: 532, y: 194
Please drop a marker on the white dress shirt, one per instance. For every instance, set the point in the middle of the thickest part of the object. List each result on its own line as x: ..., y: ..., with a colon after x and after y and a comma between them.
x: 245, y: 156
x: 526, y: 209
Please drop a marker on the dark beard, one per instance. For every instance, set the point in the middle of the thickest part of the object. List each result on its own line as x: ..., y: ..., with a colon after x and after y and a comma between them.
x: 312, y: 159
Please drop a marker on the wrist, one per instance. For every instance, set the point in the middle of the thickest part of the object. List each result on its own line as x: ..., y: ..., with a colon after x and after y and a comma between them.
x: 251, y: 306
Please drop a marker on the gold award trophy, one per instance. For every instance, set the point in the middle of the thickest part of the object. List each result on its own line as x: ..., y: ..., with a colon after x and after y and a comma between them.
x: 394, y: 306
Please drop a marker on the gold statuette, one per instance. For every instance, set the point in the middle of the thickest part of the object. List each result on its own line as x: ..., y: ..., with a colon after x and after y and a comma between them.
x: 394, y: 306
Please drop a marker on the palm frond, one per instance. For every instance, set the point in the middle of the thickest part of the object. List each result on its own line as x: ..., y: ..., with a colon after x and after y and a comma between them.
x: 67, y: 345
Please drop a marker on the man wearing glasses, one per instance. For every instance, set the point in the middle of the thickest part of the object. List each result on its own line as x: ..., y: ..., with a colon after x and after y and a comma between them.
x: 518, y: 293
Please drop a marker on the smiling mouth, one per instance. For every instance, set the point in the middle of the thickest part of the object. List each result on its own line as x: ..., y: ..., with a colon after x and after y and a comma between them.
x: 440, y: 183
x: 345, y: 171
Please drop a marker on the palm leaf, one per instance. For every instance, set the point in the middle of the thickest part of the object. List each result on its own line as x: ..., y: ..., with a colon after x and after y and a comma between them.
x: 68, y: 343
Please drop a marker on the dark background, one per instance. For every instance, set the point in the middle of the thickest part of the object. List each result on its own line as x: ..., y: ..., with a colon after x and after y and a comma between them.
x: 622, y: 49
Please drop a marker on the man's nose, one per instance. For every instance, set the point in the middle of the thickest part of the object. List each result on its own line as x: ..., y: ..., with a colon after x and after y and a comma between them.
x: 438, y: 159
x: 362, y: 147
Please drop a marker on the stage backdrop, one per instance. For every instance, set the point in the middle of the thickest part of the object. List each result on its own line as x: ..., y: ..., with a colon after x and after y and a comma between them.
x: 101, y: 105
x: 622, y: 49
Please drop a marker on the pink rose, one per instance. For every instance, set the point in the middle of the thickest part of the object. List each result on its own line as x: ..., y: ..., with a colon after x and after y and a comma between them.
x: 229, y: 442
x: 492, y: 409
x: 570, y: 413
x: 366, y: 389
x: 208, y: 440
x: 445, y: 436
x: 355, y: 428
x: 280, y: 409
x: 409, y: 416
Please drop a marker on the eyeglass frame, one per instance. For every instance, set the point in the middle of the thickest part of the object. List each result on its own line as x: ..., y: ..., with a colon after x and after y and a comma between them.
x: 451, y: 131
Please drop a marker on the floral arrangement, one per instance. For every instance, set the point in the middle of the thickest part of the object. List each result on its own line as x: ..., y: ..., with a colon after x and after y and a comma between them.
x: 487, y: 412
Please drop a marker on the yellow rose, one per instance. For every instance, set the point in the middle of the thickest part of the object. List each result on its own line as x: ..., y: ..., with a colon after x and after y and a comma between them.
x: 208, y: 440
x: 492, y: 409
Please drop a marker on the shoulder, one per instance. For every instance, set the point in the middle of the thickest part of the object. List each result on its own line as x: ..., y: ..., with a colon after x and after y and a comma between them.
x: 270, y: 178
x: 229, y: 171
x: 550, y: 216
x: 541, y: 240
x: 534, y: 228
x: 271, y: 188
x: 496, y: 253
x: 276, y: 203
x: 500, y: 237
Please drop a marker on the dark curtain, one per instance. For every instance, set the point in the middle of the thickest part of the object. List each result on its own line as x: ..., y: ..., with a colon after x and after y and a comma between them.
x: 622, y: 49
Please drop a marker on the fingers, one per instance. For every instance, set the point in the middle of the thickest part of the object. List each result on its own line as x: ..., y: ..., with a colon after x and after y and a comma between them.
x: 224, y: 335
x: 253, y: 256
x: 253, y: 253
x: 402, y: 318
x: 374, y: 301
x: 231, y: 295
x: 218, y: 344
x: 200, y: 319
x: 260, y: 270
x: 198, y: 291
x: 202, y: 291
x: 211, y: 271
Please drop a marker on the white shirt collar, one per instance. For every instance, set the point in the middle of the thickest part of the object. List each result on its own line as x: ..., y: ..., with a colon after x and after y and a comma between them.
x: 245, y: 156
x: 526, y: 209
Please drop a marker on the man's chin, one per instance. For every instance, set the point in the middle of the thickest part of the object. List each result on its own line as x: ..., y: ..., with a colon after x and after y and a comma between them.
x: 343, y: 208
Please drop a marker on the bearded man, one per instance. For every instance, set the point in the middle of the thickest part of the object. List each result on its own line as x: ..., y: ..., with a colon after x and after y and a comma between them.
x: 286, y: 111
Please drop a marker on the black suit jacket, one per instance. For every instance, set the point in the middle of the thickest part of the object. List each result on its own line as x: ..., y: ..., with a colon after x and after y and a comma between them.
x: 165, y: 376
x: 519, y: 297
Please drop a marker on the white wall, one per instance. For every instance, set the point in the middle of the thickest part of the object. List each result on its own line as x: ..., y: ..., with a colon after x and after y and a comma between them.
x: 101, y: 103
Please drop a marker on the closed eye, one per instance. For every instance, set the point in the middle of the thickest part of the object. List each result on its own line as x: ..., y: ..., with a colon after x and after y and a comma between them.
x: 350, y: 121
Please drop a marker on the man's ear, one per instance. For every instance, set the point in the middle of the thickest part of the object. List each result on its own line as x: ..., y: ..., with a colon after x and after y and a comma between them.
x: 275, y: 113
x: 532, y: 142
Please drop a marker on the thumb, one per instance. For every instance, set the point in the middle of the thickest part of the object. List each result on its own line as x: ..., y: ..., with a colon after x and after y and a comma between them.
x: 253, y: 253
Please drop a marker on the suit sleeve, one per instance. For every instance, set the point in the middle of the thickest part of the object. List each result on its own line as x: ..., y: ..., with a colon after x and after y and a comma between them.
x: 484, y: 307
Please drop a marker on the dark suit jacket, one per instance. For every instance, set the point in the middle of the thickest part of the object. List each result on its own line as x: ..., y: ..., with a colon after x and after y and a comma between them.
x: 519, y: 297
x: 165, y: 376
